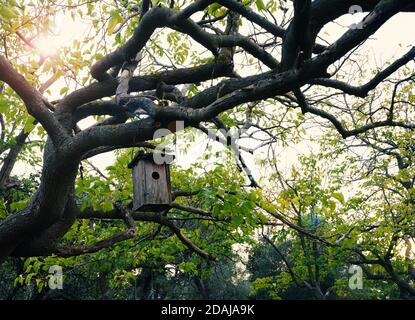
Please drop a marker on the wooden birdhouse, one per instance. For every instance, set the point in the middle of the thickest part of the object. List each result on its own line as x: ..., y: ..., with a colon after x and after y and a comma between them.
x: 151, y: 184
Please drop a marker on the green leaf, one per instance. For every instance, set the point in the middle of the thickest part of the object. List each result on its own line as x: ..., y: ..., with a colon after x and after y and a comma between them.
x: 19, y: 205
x: 112, y: 23
x: 263, y: 218
x: 107, y: 206
x: 260, y: 5
x: 3, y: 106
x: 332, y: 205
x: 63, y: 90
x: 214, y: 7
x: 29, y: 125
x: 338, y: 196
x: 8, y: 13
x: 29, y: 278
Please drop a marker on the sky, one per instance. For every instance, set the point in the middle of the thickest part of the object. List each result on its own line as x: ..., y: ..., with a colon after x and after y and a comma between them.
x: 391, y: 41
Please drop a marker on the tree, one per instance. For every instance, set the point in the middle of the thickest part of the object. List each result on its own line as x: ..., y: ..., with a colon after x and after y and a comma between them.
x: 199, y: 86
x: 371, y: 227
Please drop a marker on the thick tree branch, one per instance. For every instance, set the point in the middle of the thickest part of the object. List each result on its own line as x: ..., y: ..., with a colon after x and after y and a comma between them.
x: 298, y: 42
x: 107, y: 88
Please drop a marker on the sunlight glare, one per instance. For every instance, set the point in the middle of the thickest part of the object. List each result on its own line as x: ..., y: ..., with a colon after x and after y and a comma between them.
x: 46, y: 46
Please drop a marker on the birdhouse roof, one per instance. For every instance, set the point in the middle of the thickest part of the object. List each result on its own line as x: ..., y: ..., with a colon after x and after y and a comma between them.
x: 142, y: 156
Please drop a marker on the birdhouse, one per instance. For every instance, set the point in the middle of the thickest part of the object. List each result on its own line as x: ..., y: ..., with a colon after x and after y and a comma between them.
x: 151, y: 183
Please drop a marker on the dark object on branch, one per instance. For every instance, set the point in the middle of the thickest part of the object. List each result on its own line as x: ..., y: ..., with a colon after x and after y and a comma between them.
x: 140, y: 105
x: 151, y: 182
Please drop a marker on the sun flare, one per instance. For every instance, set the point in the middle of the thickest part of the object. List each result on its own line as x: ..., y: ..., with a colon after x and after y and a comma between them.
x: 47, y: 46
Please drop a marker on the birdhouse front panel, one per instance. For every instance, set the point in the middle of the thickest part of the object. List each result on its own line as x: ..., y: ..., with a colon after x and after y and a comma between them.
x: 151, y: 183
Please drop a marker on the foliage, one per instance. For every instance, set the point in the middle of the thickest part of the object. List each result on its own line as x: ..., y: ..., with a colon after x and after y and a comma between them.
x: 246, y: 222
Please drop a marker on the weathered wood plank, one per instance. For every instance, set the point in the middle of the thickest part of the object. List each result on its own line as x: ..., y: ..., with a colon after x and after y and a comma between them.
x: 151, y: 186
